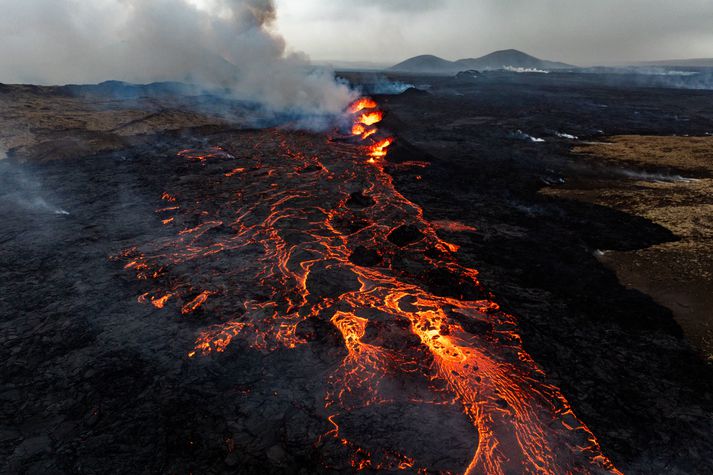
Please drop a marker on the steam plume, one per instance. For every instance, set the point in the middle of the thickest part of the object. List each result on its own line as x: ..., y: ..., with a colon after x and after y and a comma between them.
x: 226, y: 44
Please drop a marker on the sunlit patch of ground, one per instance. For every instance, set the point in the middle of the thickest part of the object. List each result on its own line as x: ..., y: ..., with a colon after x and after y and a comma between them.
x: 669, y: 181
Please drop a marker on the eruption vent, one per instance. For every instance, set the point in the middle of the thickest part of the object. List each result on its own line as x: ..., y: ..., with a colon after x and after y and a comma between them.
x: 366, y: 116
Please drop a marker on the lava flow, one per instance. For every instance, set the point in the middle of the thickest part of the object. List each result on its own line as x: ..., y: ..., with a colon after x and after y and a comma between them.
x: 288, y: 232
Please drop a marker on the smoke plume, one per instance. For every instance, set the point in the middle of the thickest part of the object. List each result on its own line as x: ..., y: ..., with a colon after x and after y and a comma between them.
x: 226, y: 45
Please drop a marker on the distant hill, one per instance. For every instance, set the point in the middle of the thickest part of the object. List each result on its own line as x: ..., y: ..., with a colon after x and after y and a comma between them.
x: 510, y: 58
x: 426, y: 64
x: 682, y: 63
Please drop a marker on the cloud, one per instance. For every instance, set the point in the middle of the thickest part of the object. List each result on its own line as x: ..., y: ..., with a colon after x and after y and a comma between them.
x: 576, y: 31
x: 417, y: 6
x: 227, y: 44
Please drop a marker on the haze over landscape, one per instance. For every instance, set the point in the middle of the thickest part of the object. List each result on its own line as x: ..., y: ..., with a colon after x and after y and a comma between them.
x: 212, y: 42
x: 578, y: 32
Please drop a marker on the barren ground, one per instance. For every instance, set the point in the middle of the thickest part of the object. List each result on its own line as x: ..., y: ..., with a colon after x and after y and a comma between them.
x: 96, y: 382
x: 675, y: 192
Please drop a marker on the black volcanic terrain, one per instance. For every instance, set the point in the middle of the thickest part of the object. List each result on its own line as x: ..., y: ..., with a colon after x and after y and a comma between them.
x: 522, y: 282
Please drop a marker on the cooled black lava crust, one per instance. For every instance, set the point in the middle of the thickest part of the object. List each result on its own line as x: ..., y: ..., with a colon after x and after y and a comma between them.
x: 618, y: 357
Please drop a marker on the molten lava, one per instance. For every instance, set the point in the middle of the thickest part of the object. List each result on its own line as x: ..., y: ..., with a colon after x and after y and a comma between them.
x: 196, y: 303
x: 358, y: 129
x: 371, y: 118
x: 204, y: 155
x: 453, y: 226
x: 361, y: 104
x: 364, y: 127
x: 379, y: 149
x: 289, y: 231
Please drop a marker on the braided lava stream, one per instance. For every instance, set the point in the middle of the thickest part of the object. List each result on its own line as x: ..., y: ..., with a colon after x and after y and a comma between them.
x: 277, y: 229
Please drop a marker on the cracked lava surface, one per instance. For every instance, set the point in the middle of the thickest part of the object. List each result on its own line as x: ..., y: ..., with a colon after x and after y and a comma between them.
x: 281, y: 239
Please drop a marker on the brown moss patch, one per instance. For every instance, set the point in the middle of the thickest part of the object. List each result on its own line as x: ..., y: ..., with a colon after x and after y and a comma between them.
x: 678, y: 275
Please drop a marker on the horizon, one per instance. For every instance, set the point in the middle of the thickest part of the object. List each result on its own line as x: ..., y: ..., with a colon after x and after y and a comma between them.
x: 387, y: 64
x: 583, y: 34
x: 61, y: 41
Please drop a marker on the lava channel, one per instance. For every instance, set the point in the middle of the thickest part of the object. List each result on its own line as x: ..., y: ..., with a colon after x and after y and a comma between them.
x: 280, y: 229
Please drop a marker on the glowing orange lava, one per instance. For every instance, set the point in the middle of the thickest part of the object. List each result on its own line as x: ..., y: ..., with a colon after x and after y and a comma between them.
x: 196, y: 303
x: 204, y: 155
x: 361, y: 104
x: 453, y: 226
x: 358, y: 129
x: 379, y: 149
x: 276, y: 243
x: 160, y: 302
x: 371, y: 118
x: 365, y: 127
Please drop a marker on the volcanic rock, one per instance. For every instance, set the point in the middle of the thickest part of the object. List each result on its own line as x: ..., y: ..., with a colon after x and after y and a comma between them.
x: 468, y: 75
x: 330, y: 281
x: 449, y: 284
x: 359, y: 200
x: 413, y: 92
x: 405, y: 235
x: 365, y: 257
x: 33, y: 446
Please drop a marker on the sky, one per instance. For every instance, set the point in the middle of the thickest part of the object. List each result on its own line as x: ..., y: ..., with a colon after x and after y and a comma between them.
x: 224, y: 46
x: 254, y: 47
x: 581, y: 32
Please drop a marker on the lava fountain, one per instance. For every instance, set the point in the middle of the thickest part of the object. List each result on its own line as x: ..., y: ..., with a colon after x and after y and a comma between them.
x: 285, y: 230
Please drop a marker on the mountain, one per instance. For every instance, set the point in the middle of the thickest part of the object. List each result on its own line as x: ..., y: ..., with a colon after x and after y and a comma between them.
x: 425, y: 64
x: 510, y: 58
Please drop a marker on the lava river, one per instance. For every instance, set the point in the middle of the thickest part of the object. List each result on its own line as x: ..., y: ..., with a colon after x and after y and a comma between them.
x: 276, y: 233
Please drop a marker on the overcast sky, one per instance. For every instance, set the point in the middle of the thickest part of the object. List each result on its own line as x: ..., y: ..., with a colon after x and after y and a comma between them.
x: 581, y: 32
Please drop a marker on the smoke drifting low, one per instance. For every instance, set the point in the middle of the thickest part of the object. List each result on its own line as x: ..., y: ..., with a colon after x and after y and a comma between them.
x: 218, y: 44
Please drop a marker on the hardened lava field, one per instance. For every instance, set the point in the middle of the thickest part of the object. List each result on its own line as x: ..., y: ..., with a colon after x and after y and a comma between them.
x: 280, y: 248
x: 396, y: 296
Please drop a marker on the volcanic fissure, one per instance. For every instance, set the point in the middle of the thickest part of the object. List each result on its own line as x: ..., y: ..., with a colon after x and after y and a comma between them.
x: 294, y: 238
